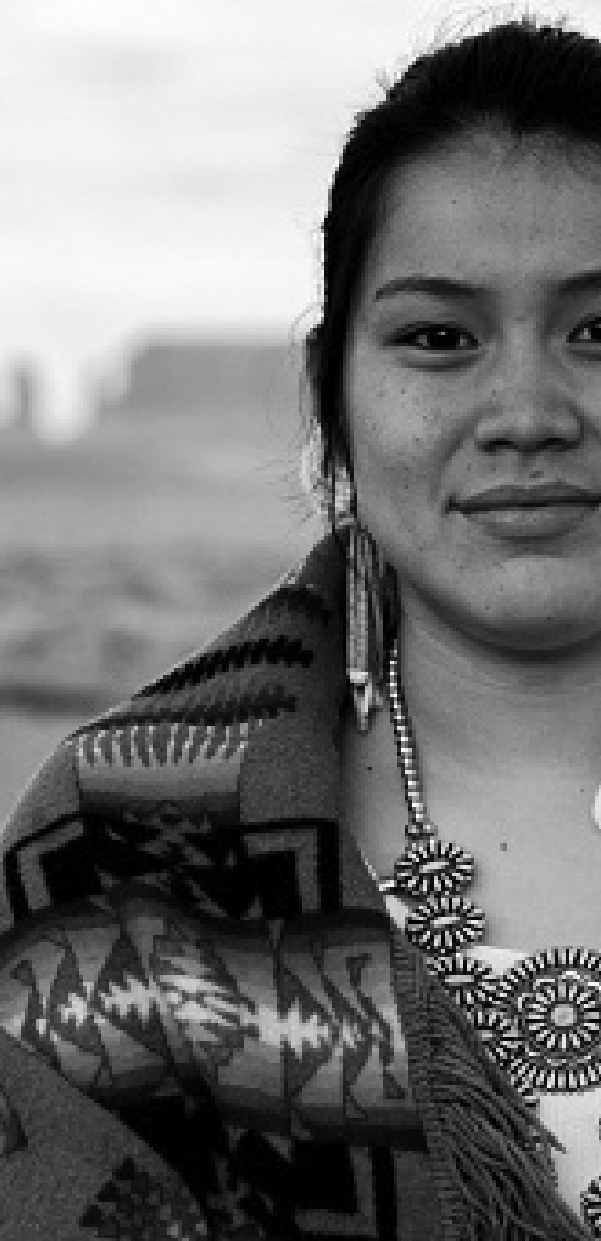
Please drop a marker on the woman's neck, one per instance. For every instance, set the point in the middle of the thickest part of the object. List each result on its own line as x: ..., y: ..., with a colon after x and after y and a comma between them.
x: 478, y: 710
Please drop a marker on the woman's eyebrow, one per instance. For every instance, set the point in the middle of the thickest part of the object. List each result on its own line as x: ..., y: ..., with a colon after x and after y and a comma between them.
x: 444, y: 286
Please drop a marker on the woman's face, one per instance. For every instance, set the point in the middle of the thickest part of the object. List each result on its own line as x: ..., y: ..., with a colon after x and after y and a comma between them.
x: 509, y: 392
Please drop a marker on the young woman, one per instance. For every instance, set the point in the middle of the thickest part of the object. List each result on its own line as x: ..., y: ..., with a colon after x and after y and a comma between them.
x: 313, y: 919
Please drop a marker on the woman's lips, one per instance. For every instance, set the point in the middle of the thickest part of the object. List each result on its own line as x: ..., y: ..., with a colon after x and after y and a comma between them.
x: 528, y: 521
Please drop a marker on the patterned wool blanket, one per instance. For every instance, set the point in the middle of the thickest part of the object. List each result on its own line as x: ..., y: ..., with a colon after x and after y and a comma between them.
x: 209, y: 1025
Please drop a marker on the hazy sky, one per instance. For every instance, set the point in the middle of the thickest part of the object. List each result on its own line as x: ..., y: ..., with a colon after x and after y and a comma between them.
x: 165, y: 164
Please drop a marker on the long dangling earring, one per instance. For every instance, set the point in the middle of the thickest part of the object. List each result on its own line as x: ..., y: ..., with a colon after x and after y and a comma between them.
x: 365, y: 582
x: 364, y: 631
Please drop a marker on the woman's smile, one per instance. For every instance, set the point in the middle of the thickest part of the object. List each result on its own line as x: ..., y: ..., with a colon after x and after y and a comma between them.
x: 539, y: 522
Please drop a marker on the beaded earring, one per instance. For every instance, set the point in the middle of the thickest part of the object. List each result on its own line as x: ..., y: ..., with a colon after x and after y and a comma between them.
x: 365, y: 581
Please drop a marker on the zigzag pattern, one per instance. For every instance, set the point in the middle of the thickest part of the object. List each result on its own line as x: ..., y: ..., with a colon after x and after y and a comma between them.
x: 203, y: 668
x: 165, y: 698
x: 268, y: 701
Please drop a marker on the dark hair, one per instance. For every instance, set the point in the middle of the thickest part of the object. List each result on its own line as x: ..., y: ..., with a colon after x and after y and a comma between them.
x: 512, y: 78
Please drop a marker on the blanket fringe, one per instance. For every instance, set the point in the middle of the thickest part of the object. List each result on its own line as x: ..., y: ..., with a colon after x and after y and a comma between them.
x: 491, y: 1159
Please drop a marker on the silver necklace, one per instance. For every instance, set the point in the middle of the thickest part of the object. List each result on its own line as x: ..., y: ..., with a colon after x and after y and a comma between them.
x: 541, y: 1019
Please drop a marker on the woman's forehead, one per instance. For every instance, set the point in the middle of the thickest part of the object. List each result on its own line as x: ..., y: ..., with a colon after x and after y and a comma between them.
x: 456, y: 214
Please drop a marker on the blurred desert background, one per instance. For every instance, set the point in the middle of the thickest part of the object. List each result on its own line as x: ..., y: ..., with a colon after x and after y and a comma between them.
x: 129, y: 547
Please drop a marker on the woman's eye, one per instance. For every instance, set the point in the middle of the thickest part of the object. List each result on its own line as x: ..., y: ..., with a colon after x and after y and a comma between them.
x: 592, y: 326
x: 440, y: 331
x: 428, y: 330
